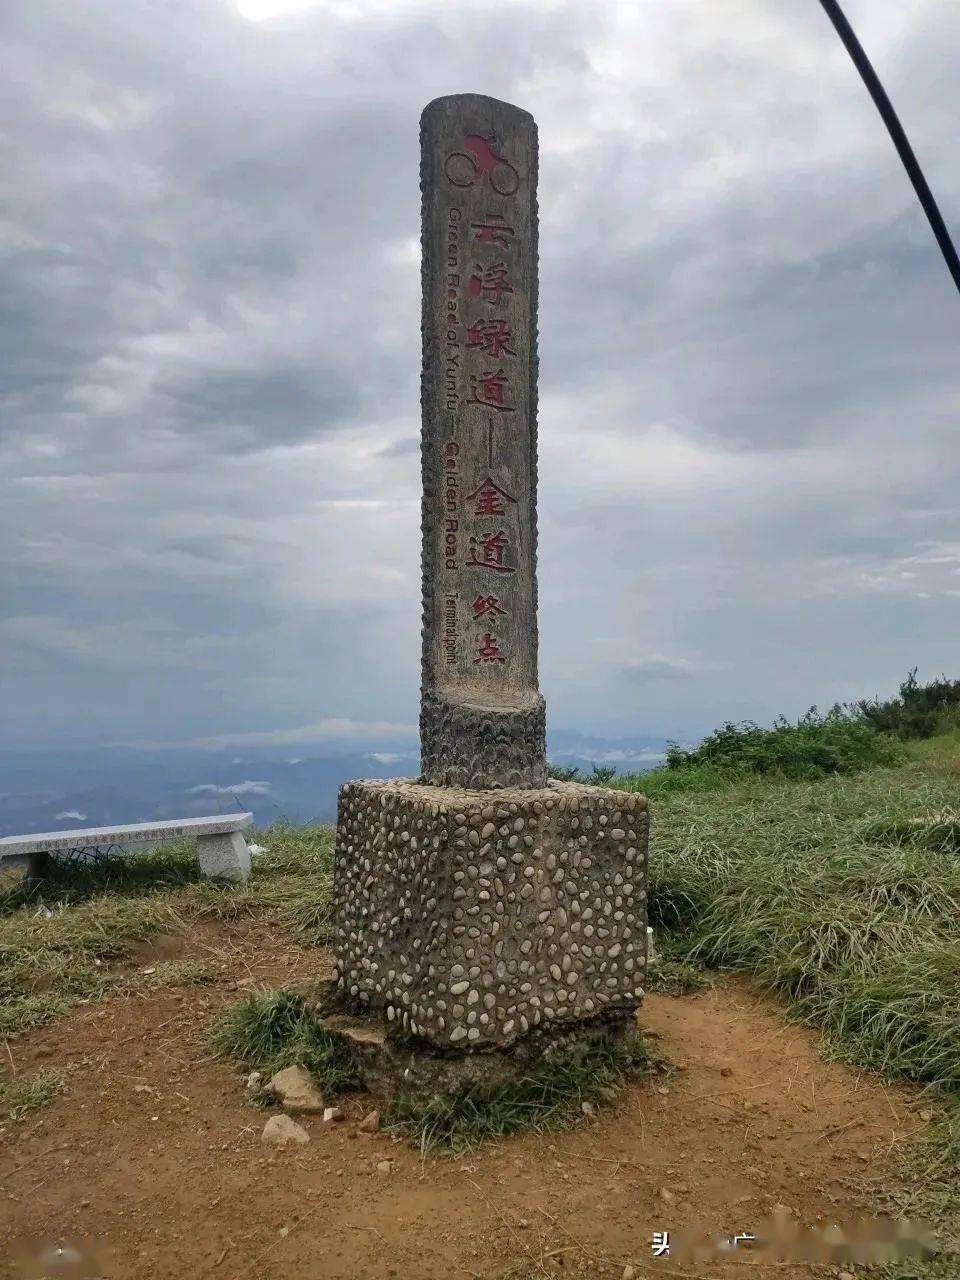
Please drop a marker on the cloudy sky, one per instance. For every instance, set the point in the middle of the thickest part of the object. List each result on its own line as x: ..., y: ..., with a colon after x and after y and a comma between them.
x: 210, y: 325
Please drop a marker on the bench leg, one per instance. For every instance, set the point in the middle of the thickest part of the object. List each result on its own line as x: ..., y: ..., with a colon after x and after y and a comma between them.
x: 39, y: 864
x: 32, y: 865
x: 224, y: 857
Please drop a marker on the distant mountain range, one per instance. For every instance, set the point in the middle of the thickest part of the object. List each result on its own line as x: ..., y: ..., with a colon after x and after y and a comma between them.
x: 59, y: 790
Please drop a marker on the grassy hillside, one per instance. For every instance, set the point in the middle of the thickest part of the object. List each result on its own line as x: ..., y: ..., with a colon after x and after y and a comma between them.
x: 835, y: 883
x: 842, y: 894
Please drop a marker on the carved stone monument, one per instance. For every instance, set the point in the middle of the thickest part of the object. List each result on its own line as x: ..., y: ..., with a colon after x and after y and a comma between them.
x: 482, y: 716
x: 483, y: 906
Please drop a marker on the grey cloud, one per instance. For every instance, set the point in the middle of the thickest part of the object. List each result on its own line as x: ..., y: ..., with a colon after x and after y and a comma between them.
x: 401, y: 448
x: 210, y: 310
x: 659, y: 667
x: 232, y: 789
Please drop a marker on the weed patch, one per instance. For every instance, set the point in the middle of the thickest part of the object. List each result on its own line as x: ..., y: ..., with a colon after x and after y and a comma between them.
x: 59, y: 936
x: 271, y: 1029
x: 22, y: 1097
x: 671, y: 975
x: 555, y: 1095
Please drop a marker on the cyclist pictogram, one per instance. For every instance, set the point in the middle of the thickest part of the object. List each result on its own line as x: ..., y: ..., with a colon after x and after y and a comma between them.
x: 479, y: 161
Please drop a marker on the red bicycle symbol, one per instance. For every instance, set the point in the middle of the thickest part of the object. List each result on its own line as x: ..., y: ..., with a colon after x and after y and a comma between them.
x: 465, y: 170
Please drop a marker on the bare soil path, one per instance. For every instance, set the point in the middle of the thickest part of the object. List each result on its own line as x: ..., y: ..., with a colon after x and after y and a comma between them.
x: 150, y: 1165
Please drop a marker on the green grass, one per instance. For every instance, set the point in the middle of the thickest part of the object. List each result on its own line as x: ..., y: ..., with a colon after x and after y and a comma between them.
x: 672, y: 975
x: 62, y: 937
x: 552, y: 1096
x: 272, y: 1029
x: 20, y: 1098
x: 835, y: 884
x: 842, y: 894
x: 815, y: 889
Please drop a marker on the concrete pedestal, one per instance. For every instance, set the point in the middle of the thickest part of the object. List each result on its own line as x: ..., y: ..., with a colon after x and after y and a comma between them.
x: 470, y: 918
x: 224, y: 857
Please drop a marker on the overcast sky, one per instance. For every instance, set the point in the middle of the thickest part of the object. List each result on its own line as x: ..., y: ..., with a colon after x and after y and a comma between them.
x: 749, y: 386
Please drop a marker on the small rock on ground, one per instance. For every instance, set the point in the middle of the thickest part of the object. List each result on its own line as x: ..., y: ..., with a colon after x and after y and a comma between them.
x: 296, y: 1091
x: 281, y: 1131
x: 333, y: 1113
x: 370, y: 1122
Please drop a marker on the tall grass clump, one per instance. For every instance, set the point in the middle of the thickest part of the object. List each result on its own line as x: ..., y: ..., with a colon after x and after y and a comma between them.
x: 843, y: 894
x: 271, y: 1029
x: 816, y: 746
x: 918, y: 711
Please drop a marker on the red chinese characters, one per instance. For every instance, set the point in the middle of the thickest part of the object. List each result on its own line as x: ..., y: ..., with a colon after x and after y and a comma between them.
x: 489, y: 650
x: 489, y: 498
x: 495, y: 382
x: 493, y: 231
x: 490, y: 336
x: 489, y: 283
x: 491, y: 548
x: 488, y: 607
x: 488, y: 389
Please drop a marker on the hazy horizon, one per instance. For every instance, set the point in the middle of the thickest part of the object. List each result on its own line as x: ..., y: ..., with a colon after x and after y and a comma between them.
x: 748, y: 389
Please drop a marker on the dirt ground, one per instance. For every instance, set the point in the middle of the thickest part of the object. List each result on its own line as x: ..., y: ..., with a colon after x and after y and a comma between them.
x: 149, y: 1164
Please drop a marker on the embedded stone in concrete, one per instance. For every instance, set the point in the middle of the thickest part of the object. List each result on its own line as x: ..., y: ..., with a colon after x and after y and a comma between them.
x: 224, y: 857
x: 450, y: 933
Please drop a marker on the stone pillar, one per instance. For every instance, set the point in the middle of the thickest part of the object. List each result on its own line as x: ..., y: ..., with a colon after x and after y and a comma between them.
x: 482, y: 716
x: 482, y: 911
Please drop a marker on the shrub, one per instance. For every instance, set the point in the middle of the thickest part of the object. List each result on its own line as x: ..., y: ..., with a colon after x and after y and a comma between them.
x: 816, y: 746
x: 564, y: 773
x: 599, y: 777
x: 920, y: 710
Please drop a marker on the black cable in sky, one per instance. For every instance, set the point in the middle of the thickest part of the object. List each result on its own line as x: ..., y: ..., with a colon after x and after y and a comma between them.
x: 895, y: 129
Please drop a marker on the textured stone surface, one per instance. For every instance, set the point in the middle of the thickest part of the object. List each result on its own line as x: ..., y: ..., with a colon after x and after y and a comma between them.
x: 127, y: 833
x: 482, y: 717
x: 469, y: 918
x: 296, y: 1091
x: 390, y: 1062
x: 469, y: 745
x: 281, y: 1131
x: 224, y: 857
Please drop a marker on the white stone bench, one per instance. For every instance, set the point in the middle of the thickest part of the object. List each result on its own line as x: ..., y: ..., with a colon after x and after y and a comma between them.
x: 221, y: 848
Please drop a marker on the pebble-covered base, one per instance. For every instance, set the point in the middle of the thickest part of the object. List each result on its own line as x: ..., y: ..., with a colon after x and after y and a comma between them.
x: 468, y: 918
